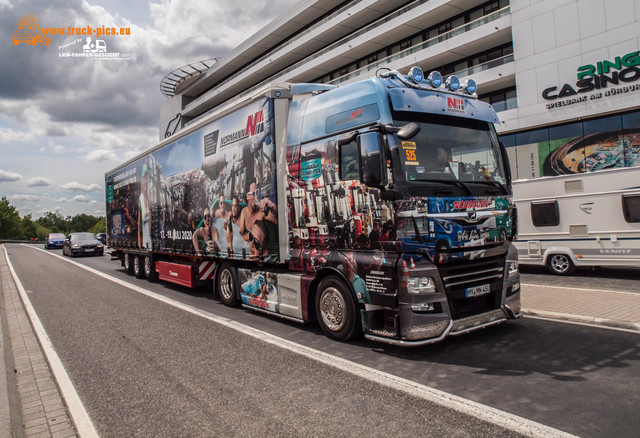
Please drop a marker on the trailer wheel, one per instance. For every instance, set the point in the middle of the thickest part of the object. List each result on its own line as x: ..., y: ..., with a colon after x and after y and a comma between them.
x: 138, y: 269
x: 150, y: 269
x: 560, y: 264
x: 336, y: 310
x: 128, y: 266
x: 227, y: 285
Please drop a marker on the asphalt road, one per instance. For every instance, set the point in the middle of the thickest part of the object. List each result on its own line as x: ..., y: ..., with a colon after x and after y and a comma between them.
x: 144, y: 368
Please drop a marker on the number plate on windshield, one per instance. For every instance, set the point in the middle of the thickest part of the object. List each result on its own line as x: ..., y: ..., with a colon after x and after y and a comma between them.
x: 476, y: 291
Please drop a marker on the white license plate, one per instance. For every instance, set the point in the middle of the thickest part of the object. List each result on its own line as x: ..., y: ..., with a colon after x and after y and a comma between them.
x: 476, y: 291
x: 89, y: 250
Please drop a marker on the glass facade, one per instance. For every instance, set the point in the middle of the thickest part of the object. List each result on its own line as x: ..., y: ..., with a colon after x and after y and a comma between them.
x: 584, y: 146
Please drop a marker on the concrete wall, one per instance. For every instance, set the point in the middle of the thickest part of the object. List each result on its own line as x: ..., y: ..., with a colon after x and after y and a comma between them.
x: 552, y: 39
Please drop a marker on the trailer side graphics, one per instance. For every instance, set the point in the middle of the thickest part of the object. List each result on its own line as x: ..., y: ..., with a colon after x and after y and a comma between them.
x: 185, y: 199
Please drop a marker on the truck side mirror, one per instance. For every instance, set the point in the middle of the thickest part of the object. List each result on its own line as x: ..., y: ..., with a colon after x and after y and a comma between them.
x: 371, y: 159
x: 408, y: 131
x: 505, y: 161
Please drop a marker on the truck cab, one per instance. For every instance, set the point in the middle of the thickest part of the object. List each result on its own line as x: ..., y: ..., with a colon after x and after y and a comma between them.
x: 407, y: 183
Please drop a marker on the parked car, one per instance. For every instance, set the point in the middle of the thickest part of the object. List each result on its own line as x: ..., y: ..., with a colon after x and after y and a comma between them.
x: 102, y: 237
x: 82, y: 244
x: 54, y: 240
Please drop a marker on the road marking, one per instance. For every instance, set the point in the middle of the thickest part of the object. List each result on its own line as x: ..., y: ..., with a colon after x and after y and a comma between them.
x: 575, y: 288
x: 550, y: 316
x: 80, y: 417
x: 468, y: 407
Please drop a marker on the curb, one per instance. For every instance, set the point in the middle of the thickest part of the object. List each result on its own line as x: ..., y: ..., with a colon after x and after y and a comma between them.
x: 614, y: 323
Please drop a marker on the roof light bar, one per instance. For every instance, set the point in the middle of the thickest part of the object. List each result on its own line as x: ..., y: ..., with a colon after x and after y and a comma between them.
x: 452, y: 83
x: 470, y: 86
x: 434, y: 79
x: 416, y: 75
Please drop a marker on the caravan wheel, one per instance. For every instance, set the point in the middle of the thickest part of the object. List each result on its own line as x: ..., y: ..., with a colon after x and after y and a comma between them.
x: 560, y: 264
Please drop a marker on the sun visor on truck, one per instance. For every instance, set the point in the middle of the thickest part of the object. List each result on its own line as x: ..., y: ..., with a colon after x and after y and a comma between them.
x: 457, y: 105
x: 347, y: 107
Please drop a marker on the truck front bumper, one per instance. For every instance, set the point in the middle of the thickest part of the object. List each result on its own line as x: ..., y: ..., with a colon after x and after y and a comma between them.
x: 429, y: 333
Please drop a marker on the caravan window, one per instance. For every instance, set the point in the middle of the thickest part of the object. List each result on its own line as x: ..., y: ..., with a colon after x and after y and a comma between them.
x: 545, y: 214
x: 631, y: 207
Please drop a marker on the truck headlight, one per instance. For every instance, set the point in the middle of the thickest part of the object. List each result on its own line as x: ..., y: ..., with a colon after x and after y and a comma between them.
x: 420, y: 285
x: 513, y: 269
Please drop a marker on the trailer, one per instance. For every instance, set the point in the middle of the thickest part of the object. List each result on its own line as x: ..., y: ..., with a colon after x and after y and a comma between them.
x: 381, y: 207
x: 579, y: 220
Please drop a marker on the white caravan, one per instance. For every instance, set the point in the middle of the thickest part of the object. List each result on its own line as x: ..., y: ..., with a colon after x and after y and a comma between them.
x: 588, y: 219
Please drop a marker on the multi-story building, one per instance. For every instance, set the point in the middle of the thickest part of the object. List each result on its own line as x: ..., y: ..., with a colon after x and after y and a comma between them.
x: 564, y: 75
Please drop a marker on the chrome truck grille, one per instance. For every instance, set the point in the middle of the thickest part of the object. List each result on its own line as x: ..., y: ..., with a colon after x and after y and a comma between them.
x: 466, y: 285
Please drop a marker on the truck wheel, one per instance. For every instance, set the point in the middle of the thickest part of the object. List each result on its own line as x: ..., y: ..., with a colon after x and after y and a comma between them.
x: 128, y: 266
x: 150, y: 269
x: 227, y: 285
x: 336, y: 310
x: 560, y: 264
x: 138, y: 266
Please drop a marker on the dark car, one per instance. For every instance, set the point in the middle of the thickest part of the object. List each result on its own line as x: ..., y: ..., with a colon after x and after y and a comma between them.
x: 82, y: 244
x: 54, y: 240
x: 102, y: 237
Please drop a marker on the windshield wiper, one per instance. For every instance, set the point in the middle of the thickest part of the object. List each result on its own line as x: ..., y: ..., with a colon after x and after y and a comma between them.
x: 493, y: 184
x: 448, y: 182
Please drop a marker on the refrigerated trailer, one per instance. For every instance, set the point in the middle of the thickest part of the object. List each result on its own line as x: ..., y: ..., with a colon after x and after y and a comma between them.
x: 380, y: 207
x: 580, y: 220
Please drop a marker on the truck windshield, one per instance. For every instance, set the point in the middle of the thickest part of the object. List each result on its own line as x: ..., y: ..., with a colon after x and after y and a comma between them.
x: 451, y: 155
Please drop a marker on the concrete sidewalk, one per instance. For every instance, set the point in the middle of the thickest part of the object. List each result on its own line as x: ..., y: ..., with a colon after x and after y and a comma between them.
x: 31, y: 404
x: 601, y: 307
x: 30, y: 401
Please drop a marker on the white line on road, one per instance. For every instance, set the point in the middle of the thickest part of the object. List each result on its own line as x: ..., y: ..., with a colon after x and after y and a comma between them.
x: 482, y: 412
x: 81, y: 419
x: 580, y: 289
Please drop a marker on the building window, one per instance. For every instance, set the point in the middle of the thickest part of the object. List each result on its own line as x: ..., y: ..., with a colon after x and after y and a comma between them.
x: 444, y: 28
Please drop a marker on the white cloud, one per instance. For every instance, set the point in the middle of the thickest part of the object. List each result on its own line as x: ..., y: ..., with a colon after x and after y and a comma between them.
x: 75, y: 186
x: 8, y: 134
x: 22, y: 197
x: 101, y: 155
x: 9, y: 176
x: 39, y: 181
x: 82, y: 198
x: 101, y: 112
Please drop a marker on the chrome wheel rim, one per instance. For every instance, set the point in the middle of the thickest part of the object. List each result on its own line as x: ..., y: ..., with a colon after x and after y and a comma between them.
x: 147, y: 266
x: 332, y: 309
x: 136, y: 265
x: 226, y: 284
x: 560, y: 263
x: 127, y: 262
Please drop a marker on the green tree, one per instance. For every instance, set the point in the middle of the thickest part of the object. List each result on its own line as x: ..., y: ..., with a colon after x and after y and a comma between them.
x: 54, y: 222
x: 100, y: 226
x: 29, y: 227
x: 42, y: 232
x: 10, y: 222
x: 82, y: 222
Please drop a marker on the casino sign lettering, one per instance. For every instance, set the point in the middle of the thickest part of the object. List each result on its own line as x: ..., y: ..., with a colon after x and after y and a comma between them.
x: 622, y: 71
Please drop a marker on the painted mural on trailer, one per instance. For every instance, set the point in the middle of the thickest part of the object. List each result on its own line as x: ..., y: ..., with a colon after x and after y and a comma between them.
x: 212, y: 192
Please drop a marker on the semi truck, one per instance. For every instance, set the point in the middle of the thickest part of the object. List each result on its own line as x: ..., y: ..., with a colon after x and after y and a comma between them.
x: 380, y: 208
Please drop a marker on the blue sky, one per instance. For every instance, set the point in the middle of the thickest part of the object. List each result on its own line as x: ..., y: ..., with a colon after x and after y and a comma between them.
x: 64, y: 122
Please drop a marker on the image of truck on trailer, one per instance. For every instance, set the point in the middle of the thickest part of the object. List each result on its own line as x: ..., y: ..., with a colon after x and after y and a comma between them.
x: 381, y: 207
